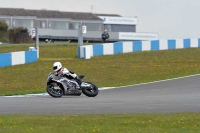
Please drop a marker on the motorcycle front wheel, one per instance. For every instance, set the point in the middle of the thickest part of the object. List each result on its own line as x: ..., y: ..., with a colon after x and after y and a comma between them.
x: 91, y: 91
x: 54, y: 92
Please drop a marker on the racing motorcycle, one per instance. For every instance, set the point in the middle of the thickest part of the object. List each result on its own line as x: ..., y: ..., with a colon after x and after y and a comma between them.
x: 105, y: 38
x: 57, y: 86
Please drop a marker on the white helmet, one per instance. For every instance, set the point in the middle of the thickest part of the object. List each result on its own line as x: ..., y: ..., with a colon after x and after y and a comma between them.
x: 57, y: 66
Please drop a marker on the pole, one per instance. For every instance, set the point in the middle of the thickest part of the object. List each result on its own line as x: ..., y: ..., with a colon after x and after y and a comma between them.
x: 80, y: 39
x: 80, y: 35
x: 37, y: 41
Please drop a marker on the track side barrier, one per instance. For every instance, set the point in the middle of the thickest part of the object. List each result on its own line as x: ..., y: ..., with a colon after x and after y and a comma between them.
x: 88, y: 51
x: 17, y: 58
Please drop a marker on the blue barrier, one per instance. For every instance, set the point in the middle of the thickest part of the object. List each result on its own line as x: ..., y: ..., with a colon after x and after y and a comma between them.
x: 137, y: 46
x: 17, y: 58
x: 79, y: 52
x: 97, y: 49
x: 186, y: 43
x: 171, y: 44
x: 30, y: 56
x: 155, y: 45
x: 118, y: 47
x: 5, y: 59
x: 199, y: 42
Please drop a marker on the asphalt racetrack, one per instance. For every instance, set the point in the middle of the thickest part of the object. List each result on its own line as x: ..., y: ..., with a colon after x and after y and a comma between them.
x: 177, y: 95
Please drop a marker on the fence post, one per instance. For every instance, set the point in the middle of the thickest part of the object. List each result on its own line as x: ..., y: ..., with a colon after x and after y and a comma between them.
x: 37, y: 41
x: 80, y: 35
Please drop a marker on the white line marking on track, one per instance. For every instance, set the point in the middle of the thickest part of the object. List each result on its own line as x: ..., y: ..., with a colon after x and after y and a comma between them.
x: 46, y: 94
x: 160, y: 81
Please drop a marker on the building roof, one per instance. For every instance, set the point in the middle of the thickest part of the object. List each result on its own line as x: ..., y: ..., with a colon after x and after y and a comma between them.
x: 47, y: 14
x: 111, y: 15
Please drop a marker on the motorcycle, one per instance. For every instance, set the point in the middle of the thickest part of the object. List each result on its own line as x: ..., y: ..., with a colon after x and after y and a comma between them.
x: 105, y: 37
x: 57, y: 86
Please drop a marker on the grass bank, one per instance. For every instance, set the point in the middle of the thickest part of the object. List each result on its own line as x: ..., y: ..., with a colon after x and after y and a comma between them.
x: 109, y: 70
x: 121, y: 123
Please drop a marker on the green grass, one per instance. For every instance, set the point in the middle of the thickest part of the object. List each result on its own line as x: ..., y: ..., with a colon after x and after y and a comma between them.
x: 109, y: 70
x: 4, y: 48
x: 121, y: 123
x: 112, y: 70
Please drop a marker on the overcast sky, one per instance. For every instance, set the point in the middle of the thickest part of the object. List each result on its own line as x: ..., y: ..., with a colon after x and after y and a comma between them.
x: 171, y: 19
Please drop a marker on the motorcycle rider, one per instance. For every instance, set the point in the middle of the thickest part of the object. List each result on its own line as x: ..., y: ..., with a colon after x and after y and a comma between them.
x: 105, y: 33
x: 62, y: 71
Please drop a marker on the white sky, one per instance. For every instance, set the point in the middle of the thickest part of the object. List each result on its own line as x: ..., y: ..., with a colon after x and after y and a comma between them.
x: 171, y: 19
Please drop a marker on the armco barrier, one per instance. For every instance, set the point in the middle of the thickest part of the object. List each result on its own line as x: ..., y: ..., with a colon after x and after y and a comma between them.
x: 17, y: 58
x: 88, y: 51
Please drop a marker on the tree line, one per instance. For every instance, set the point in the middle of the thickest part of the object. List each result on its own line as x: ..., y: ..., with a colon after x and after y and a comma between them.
x: 14, y: 35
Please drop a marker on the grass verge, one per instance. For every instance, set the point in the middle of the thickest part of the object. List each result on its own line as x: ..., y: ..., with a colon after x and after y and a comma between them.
x: 109, y: 70
x: 112, y: 70
x: 120, y: 123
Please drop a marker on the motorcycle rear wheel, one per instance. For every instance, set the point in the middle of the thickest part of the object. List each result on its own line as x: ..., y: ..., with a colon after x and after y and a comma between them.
x: 56, y: 93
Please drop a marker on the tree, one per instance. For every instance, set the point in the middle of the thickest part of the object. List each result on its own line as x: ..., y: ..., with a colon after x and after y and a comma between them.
x: 3, y: 32
x: 19, y: 35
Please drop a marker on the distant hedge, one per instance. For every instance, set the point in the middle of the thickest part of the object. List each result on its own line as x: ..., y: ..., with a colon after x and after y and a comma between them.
x: 19, y: 35
x: 3, y: 32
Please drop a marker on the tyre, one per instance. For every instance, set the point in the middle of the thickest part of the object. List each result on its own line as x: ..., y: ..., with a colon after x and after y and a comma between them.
x: 54, y: 92
x: 91, y: 91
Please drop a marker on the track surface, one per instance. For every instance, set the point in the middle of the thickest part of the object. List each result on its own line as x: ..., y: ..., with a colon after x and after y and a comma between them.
x: 178, y: 95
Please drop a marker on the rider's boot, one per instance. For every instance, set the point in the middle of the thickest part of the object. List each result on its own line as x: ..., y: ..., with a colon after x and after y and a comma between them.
x: 78, y: 80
